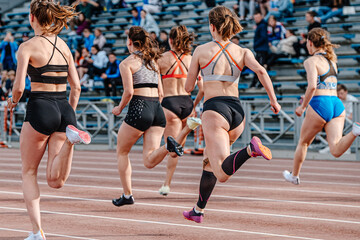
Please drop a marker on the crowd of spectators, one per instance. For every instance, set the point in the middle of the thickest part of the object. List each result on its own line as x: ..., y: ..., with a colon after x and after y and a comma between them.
x: 96, y: 61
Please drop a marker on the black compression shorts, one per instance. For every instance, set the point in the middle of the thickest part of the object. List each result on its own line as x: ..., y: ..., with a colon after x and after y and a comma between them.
x: 145, y: 112
x: 181, y: 106
x: 49, y: 112
x: 229, y: 107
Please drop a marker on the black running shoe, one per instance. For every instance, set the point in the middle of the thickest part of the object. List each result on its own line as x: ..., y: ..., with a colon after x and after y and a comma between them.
x: 123, y: 201
x: 173, y: 146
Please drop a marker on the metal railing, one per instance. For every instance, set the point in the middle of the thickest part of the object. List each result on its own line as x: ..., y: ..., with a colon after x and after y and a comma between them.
x: 277, y: 130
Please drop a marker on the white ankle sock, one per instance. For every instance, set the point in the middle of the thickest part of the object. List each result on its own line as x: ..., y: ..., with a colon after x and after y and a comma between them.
x: 127, y: 196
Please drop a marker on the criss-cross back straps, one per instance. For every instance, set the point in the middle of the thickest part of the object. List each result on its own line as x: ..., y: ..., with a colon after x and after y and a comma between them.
x: 178, y: 64
x: 55, y: 47
x: 222, y: 50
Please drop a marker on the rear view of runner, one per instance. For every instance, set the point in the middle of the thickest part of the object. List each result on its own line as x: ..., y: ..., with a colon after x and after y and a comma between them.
x: 50, y: 118
x: 223, y: 118
x: 177, y: 103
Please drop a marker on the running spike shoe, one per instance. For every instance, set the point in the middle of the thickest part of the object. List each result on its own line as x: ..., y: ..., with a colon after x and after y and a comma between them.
x: 77, y: 136
x: 193, y: 122
x: 257, y: 149
x: 173, y: 146
x: 193, y: 216
x: 123, y: 201
x: 290, y: 178
x: 38, y: 236
x: 164, y: 190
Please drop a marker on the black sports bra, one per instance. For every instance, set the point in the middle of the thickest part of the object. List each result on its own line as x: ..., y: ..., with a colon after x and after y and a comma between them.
x: 36, y: 74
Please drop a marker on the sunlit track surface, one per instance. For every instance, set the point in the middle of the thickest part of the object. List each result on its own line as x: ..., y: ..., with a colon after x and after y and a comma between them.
x: 255, y: 204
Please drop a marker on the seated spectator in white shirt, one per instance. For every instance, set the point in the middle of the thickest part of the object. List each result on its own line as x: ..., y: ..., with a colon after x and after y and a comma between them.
x: 148, y: 23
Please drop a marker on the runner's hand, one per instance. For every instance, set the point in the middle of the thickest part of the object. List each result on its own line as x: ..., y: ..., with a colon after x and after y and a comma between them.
x: 299, y: 111
x: 11, y: 104
x: 275, y: 107
x: 116, y: 111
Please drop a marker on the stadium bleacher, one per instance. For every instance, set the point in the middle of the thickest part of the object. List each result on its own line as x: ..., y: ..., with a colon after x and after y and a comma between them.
x: 288, y: 74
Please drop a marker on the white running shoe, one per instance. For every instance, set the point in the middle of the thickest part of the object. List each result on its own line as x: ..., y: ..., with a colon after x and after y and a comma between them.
x: 39, y: 236
x: 193, y: 122
x: 356, y: 129
x: 164, y: 190
x: 290, y: 178
x: 76, y: 136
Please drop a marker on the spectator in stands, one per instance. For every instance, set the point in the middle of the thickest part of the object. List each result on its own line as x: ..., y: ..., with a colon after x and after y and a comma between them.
x: 329, y: 9
x: 9, y: 82
x: 8, y: 49
x: 87, y: 7
x: 77, y: 57
x: 111, y: 76
x: 100, y: 39
x: 148, y: 22
x: 346, y: 99
x: 75, y: 36
x: 114, y: 4
x: 276, y: 31
x: 98, y: 61
x: 152, y: 6
x: 164, y: 41
x: 280, y: 9
x: 261, y: 44
x: 84, y: 64
x: 235, y: 39
x: 242, y: 5
x: 88, y: 39
x: 283, y: 49
x: 136, y: 17
x: 4, y: 77
x: 82, y: 23
x: 24, y: 38
x: 263, y: 5
x: 310, y: 18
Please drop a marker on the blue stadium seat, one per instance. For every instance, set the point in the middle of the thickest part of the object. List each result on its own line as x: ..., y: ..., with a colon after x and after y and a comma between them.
x: 356, y: 47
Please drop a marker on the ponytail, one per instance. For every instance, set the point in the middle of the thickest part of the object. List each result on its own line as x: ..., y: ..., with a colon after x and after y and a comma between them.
x: 52, y: 16
x: 225, y: 21
x: 181, y: 39
x: 320, y: 38
x: 148, y: 49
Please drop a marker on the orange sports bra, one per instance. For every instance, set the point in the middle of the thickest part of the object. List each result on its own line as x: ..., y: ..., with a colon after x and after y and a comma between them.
x: 177, y: 64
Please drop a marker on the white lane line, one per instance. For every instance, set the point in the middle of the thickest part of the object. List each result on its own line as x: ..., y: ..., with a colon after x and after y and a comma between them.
x: 163, y: 166
x: 162, y: 223
x: 226, y: 185
x: 47, y: 234
x: 213, y: 196
x: 160, y: 173
x: 189, y: 207
x: 199, y: 162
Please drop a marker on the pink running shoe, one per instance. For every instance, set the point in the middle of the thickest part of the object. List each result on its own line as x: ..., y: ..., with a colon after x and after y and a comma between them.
x: 257, y: 149
x: 193, y: 216
x: 76, y: 136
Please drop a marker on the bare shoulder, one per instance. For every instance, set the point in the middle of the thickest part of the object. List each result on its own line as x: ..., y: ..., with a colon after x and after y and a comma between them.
x: 311, y: 60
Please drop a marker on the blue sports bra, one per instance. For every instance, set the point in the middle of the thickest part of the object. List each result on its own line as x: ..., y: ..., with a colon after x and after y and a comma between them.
x: 321, y: 81
x: 37, y: 74
x: 207, y: 71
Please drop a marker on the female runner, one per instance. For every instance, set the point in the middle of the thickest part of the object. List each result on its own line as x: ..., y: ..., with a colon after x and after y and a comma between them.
x: 50, y: 65
x: 223, y: 118
x: 177, y: 103
x: 325, y: 110
x: 145, y: 116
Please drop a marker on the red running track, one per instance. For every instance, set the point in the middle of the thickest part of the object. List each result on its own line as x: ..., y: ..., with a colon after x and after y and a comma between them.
x: 255, y: 204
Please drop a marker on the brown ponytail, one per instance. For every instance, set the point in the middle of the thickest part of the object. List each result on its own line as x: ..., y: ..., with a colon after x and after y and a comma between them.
x: 181, y: 39
x: 149, y: 49
x: 320, y: 38
x: 225, y: 21
x: 52, y: 16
